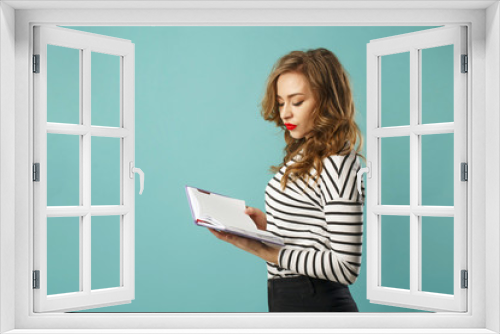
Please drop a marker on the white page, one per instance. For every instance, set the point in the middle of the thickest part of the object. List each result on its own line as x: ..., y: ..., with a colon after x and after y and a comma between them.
x: 228, y: 211
x: 195, y: 206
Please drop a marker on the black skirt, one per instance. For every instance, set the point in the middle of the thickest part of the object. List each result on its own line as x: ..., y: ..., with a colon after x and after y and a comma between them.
x: 307, y: 294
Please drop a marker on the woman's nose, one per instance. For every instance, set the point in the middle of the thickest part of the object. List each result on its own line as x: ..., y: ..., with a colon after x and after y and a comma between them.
x: 286, y: 111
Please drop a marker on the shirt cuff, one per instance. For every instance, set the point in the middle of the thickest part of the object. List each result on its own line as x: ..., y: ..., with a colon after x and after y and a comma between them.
x: 283, y: 253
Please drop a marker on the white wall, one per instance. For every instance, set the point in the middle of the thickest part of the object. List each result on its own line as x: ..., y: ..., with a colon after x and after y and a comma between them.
x: 487, y: 105
x: 7, y: 155
x: 492, y: 162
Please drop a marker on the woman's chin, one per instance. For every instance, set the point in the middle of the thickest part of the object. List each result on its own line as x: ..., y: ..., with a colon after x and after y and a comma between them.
x: 300, y: 135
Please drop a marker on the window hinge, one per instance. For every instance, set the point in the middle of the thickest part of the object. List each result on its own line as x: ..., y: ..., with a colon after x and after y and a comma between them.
x: 465, y: 279
x: 36, y: 279
x: 465, y: 64
x: 36, y: 63
x: 36, y: 172
x: 465, y: 172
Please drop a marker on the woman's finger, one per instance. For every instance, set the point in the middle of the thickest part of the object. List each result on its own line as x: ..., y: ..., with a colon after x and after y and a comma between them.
x: 216, y: 233
x: 221, y: 235
x: 243, y: 243
x: 252, y: 212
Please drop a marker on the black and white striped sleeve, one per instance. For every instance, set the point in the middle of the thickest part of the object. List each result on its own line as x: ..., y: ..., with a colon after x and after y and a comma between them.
x: 342, y: 206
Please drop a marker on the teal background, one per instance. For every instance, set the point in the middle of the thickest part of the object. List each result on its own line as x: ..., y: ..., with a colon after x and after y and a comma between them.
x: 198, y: 93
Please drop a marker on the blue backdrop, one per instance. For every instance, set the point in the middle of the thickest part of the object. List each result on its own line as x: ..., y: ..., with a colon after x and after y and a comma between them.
x: 198, y: 93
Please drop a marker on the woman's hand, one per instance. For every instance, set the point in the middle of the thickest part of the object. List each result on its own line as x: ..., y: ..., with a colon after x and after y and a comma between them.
x: 258, y: 217
x: 255, y: 247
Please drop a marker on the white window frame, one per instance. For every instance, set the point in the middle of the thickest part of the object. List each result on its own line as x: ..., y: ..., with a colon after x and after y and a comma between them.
x: 413, y: 43
x: 18, y: 17
x: 86, y: 44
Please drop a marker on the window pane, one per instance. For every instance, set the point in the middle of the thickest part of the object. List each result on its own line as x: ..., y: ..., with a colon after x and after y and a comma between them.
x: 437, y: 254
x: 437, y: 84
x: 395, y: 170
x: 437, y: 169
x: 395, y: 89
x: 63, y: 85
x: 63, y: 255
x: 63, y: 170
x: 105, y: 252
x: 395, y: 244
x: 105, y: 171
x: 105, y: 90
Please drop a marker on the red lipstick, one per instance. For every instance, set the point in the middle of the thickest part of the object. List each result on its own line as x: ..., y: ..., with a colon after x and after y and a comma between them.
x: 290, y: 126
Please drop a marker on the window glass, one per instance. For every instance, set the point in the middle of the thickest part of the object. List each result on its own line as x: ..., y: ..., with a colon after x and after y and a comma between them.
x: 105, y: 90
x: 63, y: 85
x: 438, y: 169
x: 106, y: 170
x: 437, y: 84
x: 395, y: 243
x: 63, y: 255
x: 395, y: 170
x: 395, y: 89
x: 105, y: 250
x: 63, y: 169
x: 437, y: 255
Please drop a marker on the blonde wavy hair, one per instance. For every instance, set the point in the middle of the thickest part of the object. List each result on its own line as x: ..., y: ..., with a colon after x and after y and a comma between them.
x: 335, y: 131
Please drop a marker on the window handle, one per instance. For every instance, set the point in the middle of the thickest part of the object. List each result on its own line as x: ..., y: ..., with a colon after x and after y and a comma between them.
x: 134, y: 170
x: 360, y: 175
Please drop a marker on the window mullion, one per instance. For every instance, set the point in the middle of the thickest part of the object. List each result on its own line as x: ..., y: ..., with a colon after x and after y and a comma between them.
x: 415, y: 158
x: 123, y: 172
x: 85, y: 179
x: 127, y: 112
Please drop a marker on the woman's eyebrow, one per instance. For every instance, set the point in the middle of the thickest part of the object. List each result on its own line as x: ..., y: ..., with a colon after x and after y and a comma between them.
x: 292, y: 95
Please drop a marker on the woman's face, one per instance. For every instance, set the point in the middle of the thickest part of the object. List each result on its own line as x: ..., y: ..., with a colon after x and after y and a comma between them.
x: 296, y: 104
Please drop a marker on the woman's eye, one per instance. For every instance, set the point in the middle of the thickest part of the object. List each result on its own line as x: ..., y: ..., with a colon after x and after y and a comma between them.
x: 297, y: 104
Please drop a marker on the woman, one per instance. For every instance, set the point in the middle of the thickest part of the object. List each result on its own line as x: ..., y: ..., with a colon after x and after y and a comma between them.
x: 312, y: 201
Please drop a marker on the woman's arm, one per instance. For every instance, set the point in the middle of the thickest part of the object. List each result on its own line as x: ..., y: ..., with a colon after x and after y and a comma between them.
x: 340, y: 261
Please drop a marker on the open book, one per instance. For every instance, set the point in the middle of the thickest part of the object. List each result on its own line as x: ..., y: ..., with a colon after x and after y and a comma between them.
x: 226, y: 214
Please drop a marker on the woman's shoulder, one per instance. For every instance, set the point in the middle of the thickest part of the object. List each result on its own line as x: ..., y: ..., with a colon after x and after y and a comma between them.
x: 343, y: 156
x: 346, y: 151
x: 335, y: 163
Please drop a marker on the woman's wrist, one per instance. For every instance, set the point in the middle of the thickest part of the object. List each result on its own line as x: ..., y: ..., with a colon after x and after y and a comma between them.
x: 270, y: 254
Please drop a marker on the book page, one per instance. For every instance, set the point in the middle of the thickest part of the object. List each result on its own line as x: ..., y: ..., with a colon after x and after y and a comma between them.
x: 194, y: 202
x: 230, y: 212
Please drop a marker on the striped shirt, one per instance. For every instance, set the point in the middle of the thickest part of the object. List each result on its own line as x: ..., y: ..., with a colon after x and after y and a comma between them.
x: 322, y: 224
